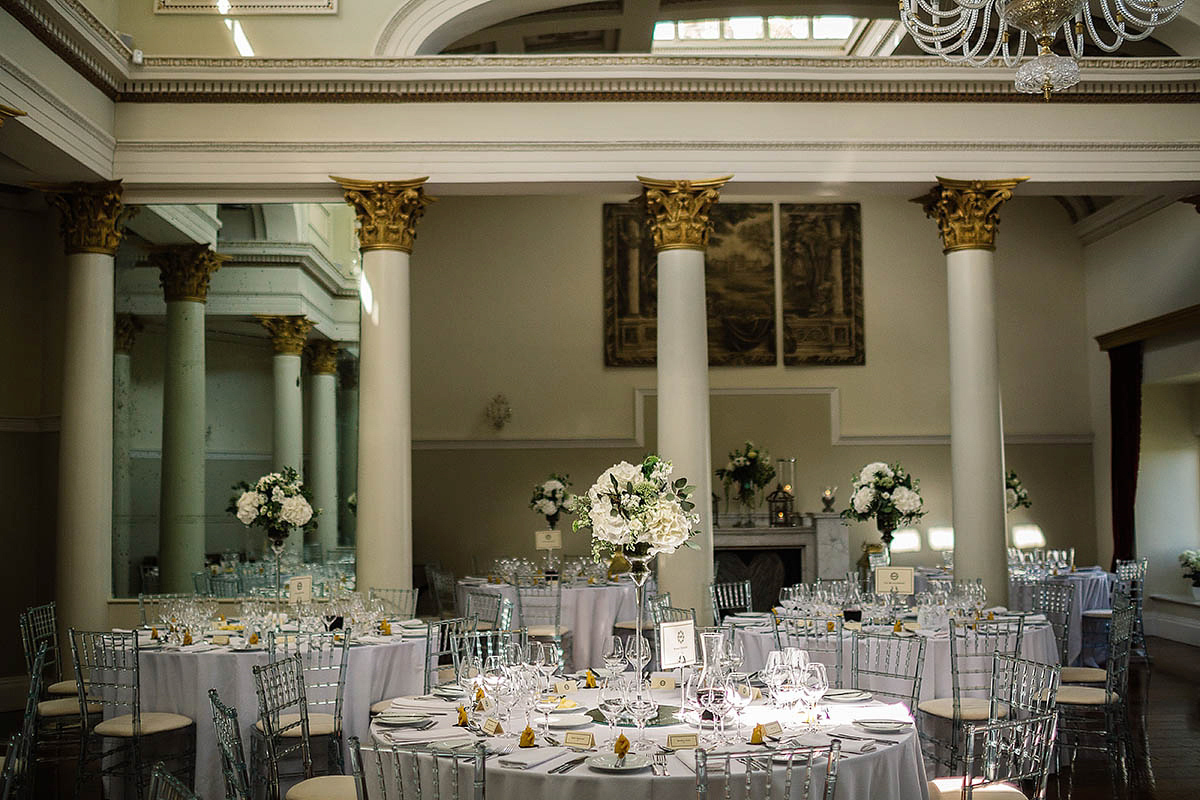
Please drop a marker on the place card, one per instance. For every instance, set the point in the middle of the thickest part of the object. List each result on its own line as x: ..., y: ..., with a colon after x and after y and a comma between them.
x: 565, y: 687
x: 547, y: 540
x: 491, y: 726
x: 662, y: 680
x: 579, y: 739
x: 299, y: 589
x: 220, y: 639
x: 677, y: 644
x: 772, y: 729
x: 683, y: 741
x: 894, y: 579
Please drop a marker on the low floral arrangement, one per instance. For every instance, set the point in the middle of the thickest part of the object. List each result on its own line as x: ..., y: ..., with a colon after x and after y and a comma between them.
x: 887, y: 494
x: 1190, y: 561
x: 637, y: 510
x: 551, y: 498
x: 748, y: 472
x: 1015, y: 495
x: 277, y: 501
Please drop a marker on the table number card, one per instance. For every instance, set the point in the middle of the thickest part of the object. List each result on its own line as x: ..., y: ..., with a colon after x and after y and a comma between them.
x: 683, y: 741
x: 579, y: 739
x: 662, y: 680
x: 894, y: 579
x: 565, y: 687
x: 678, y: 640
x: 491, y: 725
x: 299, y: 589
x: 772, y: 729
x: 547, y: 540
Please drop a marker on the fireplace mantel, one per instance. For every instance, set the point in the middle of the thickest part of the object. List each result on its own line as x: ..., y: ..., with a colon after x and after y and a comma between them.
x: 825, y: 544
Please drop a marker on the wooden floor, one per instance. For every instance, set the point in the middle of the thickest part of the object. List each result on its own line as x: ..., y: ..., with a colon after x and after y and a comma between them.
x: 1164, y: 717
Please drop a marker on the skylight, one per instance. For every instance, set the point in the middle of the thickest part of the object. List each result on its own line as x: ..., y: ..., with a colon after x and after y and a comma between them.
x: 803, y: 34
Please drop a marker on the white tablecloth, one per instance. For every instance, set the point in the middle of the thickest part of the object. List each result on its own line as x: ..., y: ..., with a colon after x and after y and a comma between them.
x: 589, y: 611
x: 178, y: 682
x: 892, y: 772
x: 1092, y: 589
x: 1037, y: 644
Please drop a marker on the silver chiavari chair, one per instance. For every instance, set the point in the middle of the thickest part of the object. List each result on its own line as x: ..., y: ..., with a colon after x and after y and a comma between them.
x: 17, y: 775
x: 972, y: 647
x: 802, y: 773
x: 1000, y: 755
x: 398, y: 772
x: 39, y: 626
x: 439, y: 649
x: 887, y: 665
x: 229, y: 745
x: 442, y: 583
x: 106, y: 665
x: 539, y: 610
x: 1055, y: 600
x: 323, y: 656
x: 820, y: 636
x: 1134, y: 573
x: 1022, y: 688
x: 165, y: 786
x: 477, y: 646
x: 730, y: 597
x: 486, y: 608
x: 57, y: 710
x: 401, y: 603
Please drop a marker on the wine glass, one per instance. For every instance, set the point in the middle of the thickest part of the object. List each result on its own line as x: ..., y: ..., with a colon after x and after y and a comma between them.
x: 610, y: 702
x: 734, y: 652
x: 613, y: 655
x: 739, y: 698
x: 637, y: 653
x: 813, y: 683
x: 552, y: 656
x: 642, y: 707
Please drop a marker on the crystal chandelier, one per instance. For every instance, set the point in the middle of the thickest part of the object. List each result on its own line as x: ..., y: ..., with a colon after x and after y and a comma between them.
x: 961, y: 31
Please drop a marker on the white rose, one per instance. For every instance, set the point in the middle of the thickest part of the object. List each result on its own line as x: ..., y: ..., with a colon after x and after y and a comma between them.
x: 876, y: 468
x: 862, y: 499
x: 666, y: 526
x: 546, y: 507
x: 248, y: 505
x: 277, y: 495
x: 1010, y: 499
x: 551, y: 486
x: 295, y: 511
x: 624, y: 472
x: 906, y: 500
x: 661, y: 471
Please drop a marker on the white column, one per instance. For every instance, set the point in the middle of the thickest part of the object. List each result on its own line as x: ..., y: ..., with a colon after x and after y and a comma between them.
x: 288, y: 335
x: 184, y: 272
x: 968, y: 218
x: 323, y: 460
x: 91, y: 215
x: 124, y: 333
x: 678, y: 216
x: 387, y: 213
x: 347, y: 448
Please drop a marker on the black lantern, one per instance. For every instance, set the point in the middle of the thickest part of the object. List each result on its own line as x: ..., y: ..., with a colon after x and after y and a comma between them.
x: 779, y: 503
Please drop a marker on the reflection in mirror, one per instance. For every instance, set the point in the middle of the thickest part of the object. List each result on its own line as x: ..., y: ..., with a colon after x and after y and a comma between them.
x: 227, y: 368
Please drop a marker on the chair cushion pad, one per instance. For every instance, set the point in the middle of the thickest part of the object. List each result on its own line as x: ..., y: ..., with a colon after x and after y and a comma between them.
x: 152, y: 722
x: 1099, y: 613
x: 1082, y: 675
x: 970, y: 708
x: 951, y: 789
x: 63, y: 687
x: 324, y: 787
x: 547, y: 630
x: 65, y: 707
x: 625, y: 624
x: 1081, y: 696
x: 318, y: 724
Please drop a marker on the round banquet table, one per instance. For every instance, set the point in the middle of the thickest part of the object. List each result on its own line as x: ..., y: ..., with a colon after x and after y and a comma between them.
x: 589, y: 611
x: 890, y: 772
x: 178, y: 681
x: 1092, y: 589
x: 1037, y: 644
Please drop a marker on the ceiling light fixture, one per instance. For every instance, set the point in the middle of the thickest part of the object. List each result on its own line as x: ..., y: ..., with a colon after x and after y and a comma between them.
x: 961, y: 31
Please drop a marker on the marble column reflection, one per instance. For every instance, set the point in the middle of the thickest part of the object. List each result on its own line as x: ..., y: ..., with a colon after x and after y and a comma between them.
x: 323, y: 460
x: 125, y: 331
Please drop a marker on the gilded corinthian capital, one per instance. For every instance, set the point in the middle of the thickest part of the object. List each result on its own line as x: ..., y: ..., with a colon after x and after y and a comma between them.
x: 92, y: 214
x: 678, y: 211
x: 288, y: 333
x: 184, y: 270
x: 387, y: 211
x: 967, y: 212
x: 322, y: 356
x: 125, y: 329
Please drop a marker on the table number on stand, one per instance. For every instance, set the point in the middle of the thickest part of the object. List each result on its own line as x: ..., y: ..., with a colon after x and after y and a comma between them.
x: 565, y: 687
x: 662, y: 680
x: 894, y: 579
x: 299, y: 589
x: 579, y: 739
x: 547, y: 540
x: 677, y: 642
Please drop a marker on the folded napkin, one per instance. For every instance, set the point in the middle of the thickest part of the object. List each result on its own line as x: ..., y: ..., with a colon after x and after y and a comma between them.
x: 374, y: 638
x: 410, y: 736
x: 409, y: 704
x: 198, y: 647
x: 412, y: 623
x: 823, y: 738
x: 532, y: 758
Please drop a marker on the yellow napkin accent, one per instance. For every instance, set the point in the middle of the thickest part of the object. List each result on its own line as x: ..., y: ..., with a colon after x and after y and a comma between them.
x: 898, y: 627
x: 591, y: 581
x: 829, y: 626
x: 567, y: 703
x: 253, y: 638
x: 231, y: 627
x: 622, y: 745
x: 527, y: 738
x: 591, y: 680
x: 757, y: 736
x: 154, y: 633
x: 187, y: 638
x: 479, y: 698
x: 462, y: 718
x: 385, y: 627
x: 991, y: 615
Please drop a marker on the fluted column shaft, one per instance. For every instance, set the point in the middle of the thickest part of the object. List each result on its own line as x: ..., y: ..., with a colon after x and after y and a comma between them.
x: 288, y: 337
x: 967, y: 215
x: 678, y: 215
x: 323, y: 461
x: 387, y: 213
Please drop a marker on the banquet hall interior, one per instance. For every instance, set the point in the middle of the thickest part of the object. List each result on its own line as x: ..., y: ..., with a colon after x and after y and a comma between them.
x: 429, y: 254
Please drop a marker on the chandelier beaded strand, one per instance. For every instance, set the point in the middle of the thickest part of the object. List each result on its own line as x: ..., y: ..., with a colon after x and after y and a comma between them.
x: 961, y: 31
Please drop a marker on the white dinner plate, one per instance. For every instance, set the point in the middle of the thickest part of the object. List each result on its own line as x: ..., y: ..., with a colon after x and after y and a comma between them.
x: 563, y: 721
x: 881, y: 725
x: 608, y: 763
x: 845, y: 696
x: 401, y: 720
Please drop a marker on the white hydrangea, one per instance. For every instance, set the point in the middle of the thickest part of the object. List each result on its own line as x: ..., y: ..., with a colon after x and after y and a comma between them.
x: 906, y: 500
x: 295, y: 511
x: 862, y: 499
x: 661, y: 471
x: 546, y: 507
x: 277, y: 495
x: 248, y: 505
x: 667, y: 526
x: 553, y: 485
x: 875, y: 468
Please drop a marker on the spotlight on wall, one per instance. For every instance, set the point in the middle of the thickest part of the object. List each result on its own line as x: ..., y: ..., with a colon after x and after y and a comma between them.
x: 498, y: 411
x: 941, y: 538
x: 1028, y: 536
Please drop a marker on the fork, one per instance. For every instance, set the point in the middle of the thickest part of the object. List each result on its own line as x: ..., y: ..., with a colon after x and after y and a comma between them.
x: 659, y: 763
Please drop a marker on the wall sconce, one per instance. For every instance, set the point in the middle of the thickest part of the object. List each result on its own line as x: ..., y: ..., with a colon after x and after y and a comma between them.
x: 498, y: 411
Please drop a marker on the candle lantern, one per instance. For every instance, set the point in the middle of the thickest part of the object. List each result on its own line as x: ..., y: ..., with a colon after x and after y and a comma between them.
x: 780, y: 503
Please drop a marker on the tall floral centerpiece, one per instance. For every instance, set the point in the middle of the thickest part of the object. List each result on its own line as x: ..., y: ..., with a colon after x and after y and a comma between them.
x: 748, y: 472
x: 551, y: 498
x: 887, y: 494
x: 277, y: 502
x: 1190, y: 561
x: 1015, y: 495
x: 639, y: 512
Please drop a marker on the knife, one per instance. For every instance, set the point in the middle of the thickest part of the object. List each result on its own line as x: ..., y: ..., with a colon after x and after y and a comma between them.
x: 567, y: 766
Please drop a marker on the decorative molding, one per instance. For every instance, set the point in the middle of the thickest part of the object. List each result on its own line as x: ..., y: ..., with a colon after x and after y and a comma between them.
x: 1183, y: 320
x: 1120, y: 213
x: 1172, y: 626
x: 241, y: 8
x: 292, y: 254
x: 76, y: 36
x: 967, y: 212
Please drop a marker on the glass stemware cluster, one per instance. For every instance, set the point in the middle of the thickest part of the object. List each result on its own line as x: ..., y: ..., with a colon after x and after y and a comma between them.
x: 516, y: 683
x: 795, y: 683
